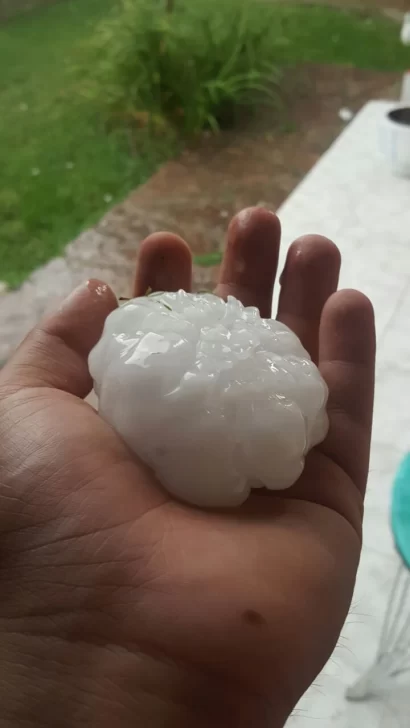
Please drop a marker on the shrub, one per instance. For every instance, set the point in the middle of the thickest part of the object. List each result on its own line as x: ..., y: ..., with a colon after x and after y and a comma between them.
x: 190, y: 64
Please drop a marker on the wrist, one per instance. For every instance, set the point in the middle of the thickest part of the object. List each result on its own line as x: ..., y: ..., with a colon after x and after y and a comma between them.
x: 48, y: 683
x: 190, y: 698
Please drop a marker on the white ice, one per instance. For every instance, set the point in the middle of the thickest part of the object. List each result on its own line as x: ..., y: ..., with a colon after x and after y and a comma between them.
x: 215, y: 399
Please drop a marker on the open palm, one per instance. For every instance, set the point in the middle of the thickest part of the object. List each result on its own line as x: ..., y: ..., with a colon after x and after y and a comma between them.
x: 123, y: 607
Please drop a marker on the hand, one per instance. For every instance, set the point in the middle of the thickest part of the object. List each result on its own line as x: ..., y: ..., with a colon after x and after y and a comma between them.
x: 120, y: 606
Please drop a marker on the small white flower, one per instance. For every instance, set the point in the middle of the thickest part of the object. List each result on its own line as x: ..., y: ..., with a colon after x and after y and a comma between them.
x: 23, y: 107
x: 69, y: 165
x: 405, y: 31
x: 35, y: 172
x: 224, y: 214
x: 107, y: 199
x: 346, y: 114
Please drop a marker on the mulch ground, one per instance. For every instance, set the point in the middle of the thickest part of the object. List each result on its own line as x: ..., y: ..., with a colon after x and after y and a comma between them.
x: 261, y: 163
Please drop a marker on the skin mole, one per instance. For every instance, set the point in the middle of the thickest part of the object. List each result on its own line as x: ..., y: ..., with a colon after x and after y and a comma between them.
x: 250, y: 616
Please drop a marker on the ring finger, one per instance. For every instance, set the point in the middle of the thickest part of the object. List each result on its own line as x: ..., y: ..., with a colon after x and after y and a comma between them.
x: 310, y: 277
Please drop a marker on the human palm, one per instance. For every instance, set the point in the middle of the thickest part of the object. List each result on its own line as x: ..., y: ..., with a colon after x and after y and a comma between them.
x: 121, y: 606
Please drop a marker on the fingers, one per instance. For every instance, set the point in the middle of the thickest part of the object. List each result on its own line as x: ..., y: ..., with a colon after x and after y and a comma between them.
x: 347, y: 362
x: 164, y: 264
x: 251, y: 259
x: 55, y: 353
x: 310, y: 276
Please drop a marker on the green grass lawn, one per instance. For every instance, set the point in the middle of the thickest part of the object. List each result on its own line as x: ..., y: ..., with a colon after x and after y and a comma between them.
x: 328, y: 35
x: 60, y: 169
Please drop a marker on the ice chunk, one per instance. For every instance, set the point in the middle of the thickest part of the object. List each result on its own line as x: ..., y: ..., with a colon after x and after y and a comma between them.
x: 215, y: 399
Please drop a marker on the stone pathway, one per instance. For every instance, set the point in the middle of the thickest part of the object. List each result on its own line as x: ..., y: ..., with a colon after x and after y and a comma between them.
x: 197, y: 194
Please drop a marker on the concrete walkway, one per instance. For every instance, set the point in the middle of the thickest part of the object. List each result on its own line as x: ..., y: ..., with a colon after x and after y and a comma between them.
x: 366, y: 210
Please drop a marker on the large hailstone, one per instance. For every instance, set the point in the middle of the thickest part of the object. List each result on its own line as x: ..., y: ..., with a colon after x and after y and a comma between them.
x: 214, y: 398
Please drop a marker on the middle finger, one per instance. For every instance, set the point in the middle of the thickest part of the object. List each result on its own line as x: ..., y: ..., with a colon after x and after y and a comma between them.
x: 251, y: 259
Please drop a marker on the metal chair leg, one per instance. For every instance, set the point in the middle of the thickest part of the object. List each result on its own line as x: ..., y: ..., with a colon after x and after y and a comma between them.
x: 393, y: 655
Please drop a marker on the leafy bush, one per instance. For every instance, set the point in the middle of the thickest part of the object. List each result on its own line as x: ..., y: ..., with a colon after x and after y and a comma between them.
x: 189, y: 64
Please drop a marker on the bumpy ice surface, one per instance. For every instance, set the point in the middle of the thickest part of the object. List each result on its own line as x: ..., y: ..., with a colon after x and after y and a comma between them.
x: 215, y: 399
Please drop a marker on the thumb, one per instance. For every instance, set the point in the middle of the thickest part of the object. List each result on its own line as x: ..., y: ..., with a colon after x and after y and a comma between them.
x: 55, y: 353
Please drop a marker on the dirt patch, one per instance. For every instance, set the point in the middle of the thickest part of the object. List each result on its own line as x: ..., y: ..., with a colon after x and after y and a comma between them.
x: 196, y: 195
x: 10, y: 8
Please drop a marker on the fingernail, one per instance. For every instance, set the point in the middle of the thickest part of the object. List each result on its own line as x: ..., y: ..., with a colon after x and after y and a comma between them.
x: 92, y: 290
x: 72, y: 297
x: 98, y: 288
x: 243, y: 217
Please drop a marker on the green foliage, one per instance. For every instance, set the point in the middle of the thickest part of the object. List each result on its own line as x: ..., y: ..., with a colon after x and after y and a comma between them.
x: 194, y: 64
x: 191, y: 64
x: 208, y: 260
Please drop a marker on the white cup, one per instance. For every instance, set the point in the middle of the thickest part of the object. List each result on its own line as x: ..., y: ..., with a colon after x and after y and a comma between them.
x: 405, y: 31
x: 405, y: 90
x: 396, y: 140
